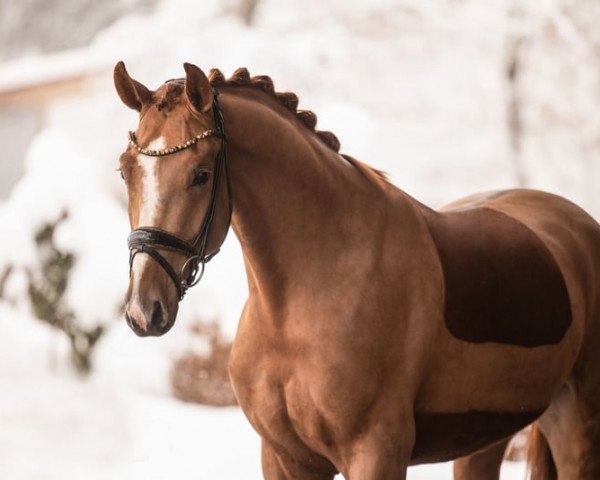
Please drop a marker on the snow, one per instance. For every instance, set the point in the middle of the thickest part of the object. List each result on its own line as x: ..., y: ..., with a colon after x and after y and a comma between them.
x: 35, y: 70
x: 121, y: 423
x: 414, y: 88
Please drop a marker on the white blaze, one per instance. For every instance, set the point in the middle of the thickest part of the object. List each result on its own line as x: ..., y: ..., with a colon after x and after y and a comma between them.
x: 150, y: 201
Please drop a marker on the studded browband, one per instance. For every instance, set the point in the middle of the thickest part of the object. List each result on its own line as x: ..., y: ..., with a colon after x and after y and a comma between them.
x: 176, y: 148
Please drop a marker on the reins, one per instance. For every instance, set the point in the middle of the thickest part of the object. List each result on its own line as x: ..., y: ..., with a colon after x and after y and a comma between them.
x: 149, y: 239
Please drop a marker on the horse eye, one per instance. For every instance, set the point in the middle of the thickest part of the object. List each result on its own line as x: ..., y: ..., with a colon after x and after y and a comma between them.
x: 200, y: 178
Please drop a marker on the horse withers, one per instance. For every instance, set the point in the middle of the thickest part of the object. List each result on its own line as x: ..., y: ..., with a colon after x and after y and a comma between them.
x: 378, y: 333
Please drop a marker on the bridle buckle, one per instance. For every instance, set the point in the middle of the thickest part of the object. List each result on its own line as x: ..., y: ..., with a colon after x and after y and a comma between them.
x: 196, y: 265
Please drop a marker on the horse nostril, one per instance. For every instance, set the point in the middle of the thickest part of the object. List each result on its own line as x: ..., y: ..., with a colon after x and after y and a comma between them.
x: 158, y: 319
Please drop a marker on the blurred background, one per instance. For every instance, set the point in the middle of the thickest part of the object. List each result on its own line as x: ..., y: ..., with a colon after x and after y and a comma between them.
x: 447, y: 96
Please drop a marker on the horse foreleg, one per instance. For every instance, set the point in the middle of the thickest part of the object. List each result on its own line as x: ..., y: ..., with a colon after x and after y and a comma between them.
x: 482, y: 465
x: 373, y: 466
x: 382, y: 453
x: 281, y: 467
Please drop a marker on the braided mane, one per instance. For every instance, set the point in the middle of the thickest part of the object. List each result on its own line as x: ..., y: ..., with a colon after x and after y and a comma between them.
x: 241, y: 78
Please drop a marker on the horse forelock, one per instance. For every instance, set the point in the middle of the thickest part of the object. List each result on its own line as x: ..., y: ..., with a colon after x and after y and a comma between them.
x: 169, y: 94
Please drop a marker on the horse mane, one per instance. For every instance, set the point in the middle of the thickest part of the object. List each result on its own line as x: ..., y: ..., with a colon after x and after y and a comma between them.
x: 241, y: 78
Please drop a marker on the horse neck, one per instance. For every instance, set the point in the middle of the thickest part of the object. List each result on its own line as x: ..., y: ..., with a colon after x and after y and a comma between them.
x: 298, y: 205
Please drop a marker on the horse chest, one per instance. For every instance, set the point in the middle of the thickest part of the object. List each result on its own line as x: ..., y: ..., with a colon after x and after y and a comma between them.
x: 302, y: 406
x: 501, y: 282
x: 284, y: 416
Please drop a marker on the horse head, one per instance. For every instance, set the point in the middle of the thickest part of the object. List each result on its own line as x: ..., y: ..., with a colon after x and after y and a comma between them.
x: 177, y: 182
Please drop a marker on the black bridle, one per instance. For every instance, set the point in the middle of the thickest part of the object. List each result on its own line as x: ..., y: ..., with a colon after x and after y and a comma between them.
x: 149, y: 239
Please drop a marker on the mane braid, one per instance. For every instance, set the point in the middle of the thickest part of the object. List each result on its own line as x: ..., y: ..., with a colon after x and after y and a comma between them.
x: 241, y: 78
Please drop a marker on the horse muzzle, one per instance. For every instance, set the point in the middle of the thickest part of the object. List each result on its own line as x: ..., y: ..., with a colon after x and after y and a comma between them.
x: 152, y: 320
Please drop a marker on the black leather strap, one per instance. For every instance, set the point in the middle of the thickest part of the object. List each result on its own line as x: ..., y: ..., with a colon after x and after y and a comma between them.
x: 162, y: 262
x: 158, y: 238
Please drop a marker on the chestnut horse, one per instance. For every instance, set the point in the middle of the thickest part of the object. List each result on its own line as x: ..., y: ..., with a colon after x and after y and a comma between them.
x: 378, y: 333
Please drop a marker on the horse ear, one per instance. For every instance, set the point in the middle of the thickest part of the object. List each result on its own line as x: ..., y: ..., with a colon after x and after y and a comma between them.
x: 132, y: 93
x: 197, y: 88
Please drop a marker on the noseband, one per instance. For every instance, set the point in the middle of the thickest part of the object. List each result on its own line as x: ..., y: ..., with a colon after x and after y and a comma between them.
x: 150, y: 240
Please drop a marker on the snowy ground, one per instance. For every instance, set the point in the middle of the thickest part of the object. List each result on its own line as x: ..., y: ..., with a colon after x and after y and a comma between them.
x: 99, y: 434
x: 121, y: 424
